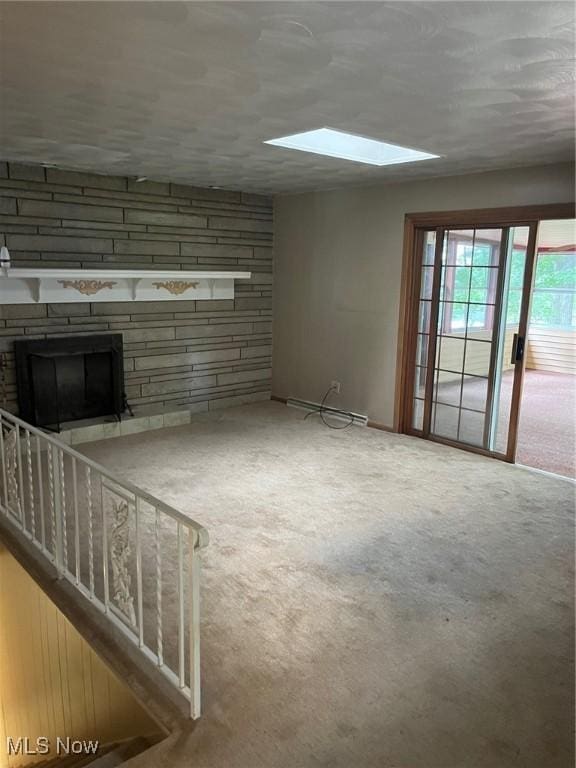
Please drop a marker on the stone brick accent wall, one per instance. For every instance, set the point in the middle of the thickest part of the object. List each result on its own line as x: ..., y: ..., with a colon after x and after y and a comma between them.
x: 186, y: 354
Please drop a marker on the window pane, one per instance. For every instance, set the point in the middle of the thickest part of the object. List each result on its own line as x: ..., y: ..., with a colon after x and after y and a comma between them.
x: 471, y: 427
x: 483, y: 252
x: 503, y: 398
x: 448, y: 388
x: 422, y: 349
x: 458, y: 247
x: 480, y: 317
x: 480, y: 334
x: 445, y: 421
x: 474, y: 393
x: 429, y: 248
x: 483, y: 285
x: 518, y: 261
x: 553, y: 299
x: 464, y: 251
x: 555, y: 270
x: 514, y: 305
x: 487, y: 247
x: 427, y: 278
x: 450, y: 354
x: 424, y: 317
x: 477, y: 357
x: 553, y: 309
x: 419, y: 381
x: 417, y: 414
x: 457, y: 284
x: 452, y: 317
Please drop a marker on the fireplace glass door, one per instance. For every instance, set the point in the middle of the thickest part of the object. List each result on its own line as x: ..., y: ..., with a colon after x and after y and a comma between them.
x: 68, y: 379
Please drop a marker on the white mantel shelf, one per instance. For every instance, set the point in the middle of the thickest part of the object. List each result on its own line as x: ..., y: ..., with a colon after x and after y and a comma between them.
x: 59, y: 286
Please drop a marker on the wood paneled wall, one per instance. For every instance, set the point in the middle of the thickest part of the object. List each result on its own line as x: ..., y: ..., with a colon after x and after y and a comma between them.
x: 51, y: 682
x: 551, y: 350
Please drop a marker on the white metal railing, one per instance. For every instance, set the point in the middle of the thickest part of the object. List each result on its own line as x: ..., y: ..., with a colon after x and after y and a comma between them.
x: 134, y: 557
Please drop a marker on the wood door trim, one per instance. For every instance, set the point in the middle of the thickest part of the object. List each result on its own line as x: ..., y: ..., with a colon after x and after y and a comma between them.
x: 492, y: 216
x: 406, y: 335
x: 523, y: 332
x: 470, y: 448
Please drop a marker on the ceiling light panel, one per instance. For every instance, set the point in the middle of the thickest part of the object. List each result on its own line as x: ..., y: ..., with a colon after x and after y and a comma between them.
x: 348, y: 146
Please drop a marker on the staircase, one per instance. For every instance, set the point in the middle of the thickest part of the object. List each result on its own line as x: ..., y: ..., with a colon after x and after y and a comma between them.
x: 119, y: 563
x: 109, y: 756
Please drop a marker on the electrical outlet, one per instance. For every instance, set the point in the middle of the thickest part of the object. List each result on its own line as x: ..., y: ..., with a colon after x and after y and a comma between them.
x: 335, y: 387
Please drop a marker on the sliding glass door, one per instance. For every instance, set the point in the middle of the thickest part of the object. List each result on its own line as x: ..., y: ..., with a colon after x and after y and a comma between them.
x: 473, y: 300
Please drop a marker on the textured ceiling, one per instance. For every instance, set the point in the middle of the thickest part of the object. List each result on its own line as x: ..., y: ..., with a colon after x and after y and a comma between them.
x: 188, y: 91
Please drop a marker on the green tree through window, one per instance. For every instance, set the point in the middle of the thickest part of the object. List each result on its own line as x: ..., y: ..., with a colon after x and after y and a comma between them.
x: 553, y: 304
x: 553, y: 297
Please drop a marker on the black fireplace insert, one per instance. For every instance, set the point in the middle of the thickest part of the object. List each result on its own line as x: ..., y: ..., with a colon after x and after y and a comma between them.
x: 66, y: 379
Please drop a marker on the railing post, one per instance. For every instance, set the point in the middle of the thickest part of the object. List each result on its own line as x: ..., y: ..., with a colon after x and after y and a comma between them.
x: 30, y: 486
x: 20, y: 482
x: 76, y: 522
x: 58, y: 512
x: 181, y: 608
x: 159, y: 626
x: 90, y: 531
x: 194, y: 618
x: 64, y: 518
x: 139, y: 594
x: 105, y: 574
x: 3, y: 456
x: 40, y: 492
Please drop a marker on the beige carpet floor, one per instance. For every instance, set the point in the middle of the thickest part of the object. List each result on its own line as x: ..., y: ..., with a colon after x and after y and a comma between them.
x: 369, y: 600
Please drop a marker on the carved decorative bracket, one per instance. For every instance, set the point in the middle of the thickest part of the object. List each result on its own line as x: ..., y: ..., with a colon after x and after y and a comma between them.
x: 87, y: 287
x: 175, y: 287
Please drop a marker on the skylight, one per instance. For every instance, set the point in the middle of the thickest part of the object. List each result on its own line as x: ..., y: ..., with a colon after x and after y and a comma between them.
x: 326, y: 141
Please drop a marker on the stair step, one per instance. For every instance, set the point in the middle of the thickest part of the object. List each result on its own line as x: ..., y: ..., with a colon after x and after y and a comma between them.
x: 120, y: 753
x: 109, y: 756
x: 73, y: 761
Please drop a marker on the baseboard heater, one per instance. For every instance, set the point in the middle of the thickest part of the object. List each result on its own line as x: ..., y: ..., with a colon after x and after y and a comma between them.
x: 337, y: 413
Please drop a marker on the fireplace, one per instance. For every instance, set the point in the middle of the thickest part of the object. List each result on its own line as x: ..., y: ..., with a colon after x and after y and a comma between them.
x: 66, y: 379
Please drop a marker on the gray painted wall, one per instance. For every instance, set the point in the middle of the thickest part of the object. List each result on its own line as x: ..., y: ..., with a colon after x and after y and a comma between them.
x: 177, y: 354
x: 338, y: 260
